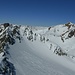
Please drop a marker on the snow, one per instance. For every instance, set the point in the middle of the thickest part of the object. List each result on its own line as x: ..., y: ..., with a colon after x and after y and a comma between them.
x: 38, y: 57
x: 35, y: 58
x: 1, y: 57
x: 28, y: 62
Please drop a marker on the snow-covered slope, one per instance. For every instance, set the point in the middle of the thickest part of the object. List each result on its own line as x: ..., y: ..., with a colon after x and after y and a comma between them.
x: 40, y: 50
x: 31, y: 58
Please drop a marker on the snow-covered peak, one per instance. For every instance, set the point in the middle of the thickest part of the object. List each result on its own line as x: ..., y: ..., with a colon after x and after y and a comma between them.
x: 70, y: 23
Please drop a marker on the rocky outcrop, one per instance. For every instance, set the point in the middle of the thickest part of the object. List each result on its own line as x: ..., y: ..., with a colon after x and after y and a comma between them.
x: 8, y: 34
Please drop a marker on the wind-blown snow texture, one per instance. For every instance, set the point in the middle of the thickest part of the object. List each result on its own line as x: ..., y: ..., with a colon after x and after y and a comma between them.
x: 41, y: 50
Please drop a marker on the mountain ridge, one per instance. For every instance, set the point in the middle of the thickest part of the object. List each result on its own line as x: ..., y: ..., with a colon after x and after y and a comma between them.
x: 58, y: 40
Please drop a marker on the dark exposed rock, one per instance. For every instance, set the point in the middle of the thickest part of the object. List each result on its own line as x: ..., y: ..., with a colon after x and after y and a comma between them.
x: 49, y: 28
x: 71, y: 33
x: 59, y: 51
x: 6, y: 25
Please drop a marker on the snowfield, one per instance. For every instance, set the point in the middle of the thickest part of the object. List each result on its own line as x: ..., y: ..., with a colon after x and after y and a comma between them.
x: 35, y: 58
x: 38, y: 50
x: 29, y: 61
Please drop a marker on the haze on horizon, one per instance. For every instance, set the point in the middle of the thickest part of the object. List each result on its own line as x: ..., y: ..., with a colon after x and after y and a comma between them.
x: 37, y: 12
